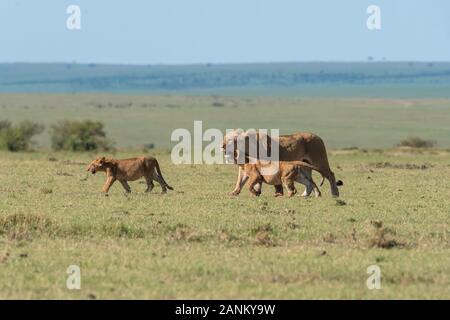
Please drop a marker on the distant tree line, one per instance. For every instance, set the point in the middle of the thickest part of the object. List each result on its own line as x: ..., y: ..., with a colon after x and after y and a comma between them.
x: 147, y: 78
x: 183, y: 81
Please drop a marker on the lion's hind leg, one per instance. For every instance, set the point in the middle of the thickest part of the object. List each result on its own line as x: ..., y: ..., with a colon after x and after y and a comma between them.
x: 149, y: 181
x: 304, y: 177
x: 160, y: 181
x: 125, y: 185
x: 291, y: 187
x: 306, y: 181
x: 288, y: 179
x: 279, y: 190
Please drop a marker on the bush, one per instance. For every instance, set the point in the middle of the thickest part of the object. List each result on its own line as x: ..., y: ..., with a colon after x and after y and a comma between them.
x: 4, y: 124
x: 147, y: 147
x: 79, y: 136
x: 18, y: 138
x: 416, y: 142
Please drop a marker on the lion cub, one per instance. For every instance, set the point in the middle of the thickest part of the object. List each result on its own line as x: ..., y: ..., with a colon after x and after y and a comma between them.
x: 129, y: 170
x: 278, y: 172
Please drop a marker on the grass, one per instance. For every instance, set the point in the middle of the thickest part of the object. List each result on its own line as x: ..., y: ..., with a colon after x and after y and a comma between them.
x: 197, y: 242
x: 134, y: 121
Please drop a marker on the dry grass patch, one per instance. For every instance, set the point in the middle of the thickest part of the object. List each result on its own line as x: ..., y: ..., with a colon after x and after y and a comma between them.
x: 381, y: 237
x: 24, y: 226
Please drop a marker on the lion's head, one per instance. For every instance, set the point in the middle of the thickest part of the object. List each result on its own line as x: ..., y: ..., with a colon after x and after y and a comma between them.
x: 229, y: 145
x: 97, y: 165
x: 238, y: 145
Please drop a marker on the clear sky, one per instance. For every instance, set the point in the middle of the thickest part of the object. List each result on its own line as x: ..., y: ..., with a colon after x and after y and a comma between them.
x: 200, y: 31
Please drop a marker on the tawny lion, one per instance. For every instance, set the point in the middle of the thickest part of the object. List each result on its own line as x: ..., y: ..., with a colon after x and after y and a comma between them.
x: 277, y: 173
x: 300, y: 146
x: 129, y: 170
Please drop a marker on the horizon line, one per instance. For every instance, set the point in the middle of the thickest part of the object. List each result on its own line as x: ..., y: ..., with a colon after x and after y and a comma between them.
x: 219, y: 63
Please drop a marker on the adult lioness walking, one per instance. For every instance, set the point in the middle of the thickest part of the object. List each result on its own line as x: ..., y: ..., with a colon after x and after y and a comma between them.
x: 300, y: 146
x: 129, y: 170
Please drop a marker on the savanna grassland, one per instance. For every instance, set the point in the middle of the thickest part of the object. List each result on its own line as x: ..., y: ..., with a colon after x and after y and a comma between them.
x: 198, y: 242
x: 135, y: 120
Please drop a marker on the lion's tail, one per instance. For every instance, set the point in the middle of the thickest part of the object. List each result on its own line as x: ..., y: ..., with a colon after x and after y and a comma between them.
x: 310, y: 166
x: 339, y: 183
x: 323, y: 180
x: 158, y: 171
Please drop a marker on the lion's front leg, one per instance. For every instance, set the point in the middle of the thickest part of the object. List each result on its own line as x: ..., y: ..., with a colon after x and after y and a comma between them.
x: 258, y: 187
x: 109, y: 182
x: 241, y: 180
x: 252, y: 183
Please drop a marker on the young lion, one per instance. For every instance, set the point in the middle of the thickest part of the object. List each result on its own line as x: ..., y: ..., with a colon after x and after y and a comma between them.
x: 129, y: 170
x: 286, y: 173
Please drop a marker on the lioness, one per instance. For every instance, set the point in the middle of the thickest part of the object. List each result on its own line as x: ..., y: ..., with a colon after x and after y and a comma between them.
x: 300, y: 146
x: 129, y: 170
x: 276, y: 173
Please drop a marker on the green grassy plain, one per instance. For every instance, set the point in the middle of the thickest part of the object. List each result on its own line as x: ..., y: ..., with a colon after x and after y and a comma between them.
x: 197, y: 242
x: 134, y: 120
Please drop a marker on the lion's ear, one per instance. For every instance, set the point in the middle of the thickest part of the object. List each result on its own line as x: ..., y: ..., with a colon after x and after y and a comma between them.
x: 238, y: 131
x: 102, y: 160
x: 251, y: 135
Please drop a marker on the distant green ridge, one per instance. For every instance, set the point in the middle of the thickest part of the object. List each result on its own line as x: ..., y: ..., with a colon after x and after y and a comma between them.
x: 371, y: 79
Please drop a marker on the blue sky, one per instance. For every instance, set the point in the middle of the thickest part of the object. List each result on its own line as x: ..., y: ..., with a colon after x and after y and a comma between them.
x: 200, y: 31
